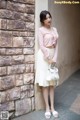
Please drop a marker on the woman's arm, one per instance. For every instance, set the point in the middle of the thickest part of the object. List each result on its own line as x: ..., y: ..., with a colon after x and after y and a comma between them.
x: 54, y: 60
x: 41, y: 44
x: 55, y: 53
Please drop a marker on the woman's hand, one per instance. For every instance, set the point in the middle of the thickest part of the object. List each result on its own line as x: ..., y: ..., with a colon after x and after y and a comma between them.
x: 51, y: 61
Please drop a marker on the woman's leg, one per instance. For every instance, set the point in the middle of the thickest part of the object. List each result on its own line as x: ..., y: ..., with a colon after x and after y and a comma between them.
x: 52, y: 97
x: 45, y: 91
x: 55, y: 113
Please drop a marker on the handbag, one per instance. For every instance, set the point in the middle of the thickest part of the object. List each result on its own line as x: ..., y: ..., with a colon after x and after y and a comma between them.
x: 52, y: 73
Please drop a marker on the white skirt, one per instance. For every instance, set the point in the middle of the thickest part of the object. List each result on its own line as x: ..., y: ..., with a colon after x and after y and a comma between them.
x: 41, y: 69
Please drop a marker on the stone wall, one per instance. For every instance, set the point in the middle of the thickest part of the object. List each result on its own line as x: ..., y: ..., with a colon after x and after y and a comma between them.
x: 17, y: 56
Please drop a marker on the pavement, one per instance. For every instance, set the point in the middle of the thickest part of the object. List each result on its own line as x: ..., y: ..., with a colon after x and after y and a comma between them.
x: 67, y: 101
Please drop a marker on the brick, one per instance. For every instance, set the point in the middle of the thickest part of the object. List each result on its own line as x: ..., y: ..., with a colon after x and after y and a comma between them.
x: 3, y: 70
x: 23, y: 17
x: 13, y: 51
x: 16, y: 33
x: 29, y: 58
x: 30, y: 34
x: 28, y: 51
x: 18, y: 51
x: 7, y: 82
x: 19, y: 80
x: 23, y: 94
x: 2, y: 4
x: 29, y: 68
x: 27, y: 91
x: 5, y: 41
x: 23, y: 34
x: 30, y: 26
x: 7, y: 106
x: 16, y: 6
x: 17, y: 41
x: 25, y: 1
x: 4, y: 33
x: 28, y: 17
x: 5, y: 60
x: 13, y: 94
x: 6, y: 14
x: 14, y: 69
x: 30, y: 1
x: 17, y: 15
x: 2, y: 51
x: 25, y: 87
x: 22, y: 106
x: 3, y: 24
x: 28, y: 41
x: 30, y: 93
x: 30, y: 9
x: 18, y: 59
x: 2, y: 97
x: 10, y: 51
x: 32, y: 86
x: 19, y: 76
x: 28, y: 78
x: 16, y: 25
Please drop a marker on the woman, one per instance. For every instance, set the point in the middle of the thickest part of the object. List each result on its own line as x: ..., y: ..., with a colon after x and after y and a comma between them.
x: 47, y: 54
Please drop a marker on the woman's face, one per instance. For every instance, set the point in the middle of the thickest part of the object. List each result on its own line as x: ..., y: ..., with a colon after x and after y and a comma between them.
x: 48, y: 21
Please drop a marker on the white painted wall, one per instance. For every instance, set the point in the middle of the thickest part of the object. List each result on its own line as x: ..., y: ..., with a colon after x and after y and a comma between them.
x: 66, y: 19
x: 39, y: 6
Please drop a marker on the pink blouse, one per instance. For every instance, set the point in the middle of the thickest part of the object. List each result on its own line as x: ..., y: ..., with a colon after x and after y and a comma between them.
x: 48, y: 38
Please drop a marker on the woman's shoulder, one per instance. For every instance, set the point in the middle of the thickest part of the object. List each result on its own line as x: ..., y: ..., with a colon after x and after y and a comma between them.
x: 42, y: 30
x: 54, y: 28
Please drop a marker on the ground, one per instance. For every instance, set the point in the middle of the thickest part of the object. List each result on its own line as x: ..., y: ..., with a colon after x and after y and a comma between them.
x: 67, y: 101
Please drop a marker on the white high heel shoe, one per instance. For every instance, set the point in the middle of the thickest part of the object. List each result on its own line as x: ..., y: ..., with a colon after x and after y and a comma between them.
x: 47, y: 115
x: 55, y: 114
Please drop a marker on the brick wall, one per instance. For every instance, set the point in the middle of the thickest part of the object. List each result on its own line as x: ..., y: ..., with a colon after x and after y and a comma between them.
x: 17, y: 56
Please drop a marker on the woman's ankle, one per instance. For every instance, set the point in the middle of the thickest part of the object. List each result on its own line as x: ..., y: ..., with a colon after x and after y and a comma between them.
x: 47, y: 109
x: 52, y: 109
